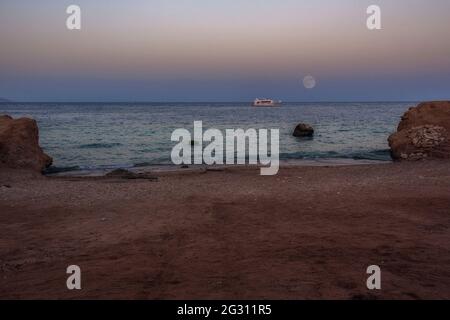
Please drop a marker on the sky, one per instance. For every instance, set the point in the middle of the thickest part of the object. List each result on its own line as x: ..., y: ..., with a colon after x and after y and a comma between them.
x: 224, y: 50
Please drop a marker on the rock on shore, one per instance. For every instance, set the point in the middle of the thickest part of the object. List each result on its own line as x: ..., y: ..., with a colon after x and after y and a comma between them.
x: 19, y: 145
x: 423, y: 132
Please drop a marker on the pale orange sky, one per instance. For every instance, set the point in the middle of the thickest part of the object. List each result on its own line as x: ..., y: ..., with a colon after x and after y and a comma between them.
x: 223, y: 40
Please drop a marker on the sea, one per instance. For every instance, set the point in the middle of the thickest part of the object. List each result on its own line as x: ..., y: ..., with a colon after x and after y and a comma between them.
x: 93, y: 137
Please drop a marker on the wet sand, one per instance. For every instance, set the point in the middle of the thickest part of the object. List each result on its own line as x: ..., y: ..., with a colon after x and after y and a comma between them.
x: 307, y: 233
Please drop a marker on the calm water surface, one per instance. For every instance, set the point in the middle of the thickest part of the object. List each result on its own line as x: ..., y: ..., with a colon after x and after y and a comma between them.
x: 93, y: 136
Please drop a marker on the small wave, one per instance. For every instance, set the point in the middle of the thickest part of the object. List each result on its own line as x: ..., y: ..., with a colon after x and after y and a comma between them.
x: 142, y: 164
x: 99, y: 145
x: 383, y: 155
x: 53, y: 170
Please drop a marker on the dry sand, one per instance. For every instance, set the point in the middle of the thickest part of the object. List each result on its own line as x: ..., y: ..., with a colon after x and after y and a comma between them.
x: 307, y: 233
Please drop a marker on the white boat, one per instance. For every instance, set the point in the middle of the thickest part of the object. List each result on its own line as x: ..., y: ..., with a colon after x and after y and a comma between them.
x: 266, y: 103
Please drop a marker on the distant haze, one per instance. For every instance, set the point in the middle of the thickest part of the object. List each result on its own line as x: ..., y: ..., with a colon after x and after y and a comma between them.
x: 217, y: 50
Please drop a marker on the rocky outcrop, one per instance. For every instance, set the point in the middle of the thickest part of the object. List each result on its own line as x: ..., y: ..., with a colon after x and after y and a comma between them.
x: 303, y: 130
x: 423, y: 132
x: 19, y: 145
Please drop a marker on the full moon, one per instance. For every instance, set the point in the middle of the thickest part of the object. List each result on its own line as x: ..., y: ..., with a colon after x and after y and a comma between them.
x: 309, y: 82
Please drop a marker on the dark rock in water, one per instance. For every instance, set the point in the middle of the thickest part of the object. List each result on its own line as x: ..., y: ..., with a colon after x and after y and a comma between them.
x: 303, y: 130
x: 19, y: 145
x: 423, y: 133
x: 125, y: 174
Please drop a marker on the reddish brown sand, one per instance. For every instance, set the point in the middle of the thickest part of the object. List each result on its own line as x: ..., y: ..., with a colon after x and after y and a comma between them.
x: 307, y: 233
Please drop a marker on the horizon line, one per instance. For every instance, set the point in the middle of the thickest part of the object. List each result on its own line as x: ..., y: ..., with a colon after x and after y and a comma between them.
x: 206, y: 101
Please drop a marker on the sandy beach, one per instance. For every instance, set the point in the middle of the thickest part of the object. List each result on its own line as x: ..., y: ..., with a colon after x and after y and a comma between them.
x: 245, y: 155
x: 307, y: 233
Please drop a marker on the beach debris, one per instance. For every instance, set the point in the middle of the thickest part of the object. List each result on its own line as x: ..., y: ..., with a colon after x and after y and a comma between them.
x: 423, y: 133
x: 19, y: 145
x: 303, y: 130
x: 215, y: 169
x: 121, y: 173
x: 126, y: 174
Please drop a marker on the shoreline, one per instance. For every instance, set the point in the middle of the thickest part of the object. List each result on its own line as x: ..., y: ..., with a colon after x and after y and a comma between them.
x: 171, y: 168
